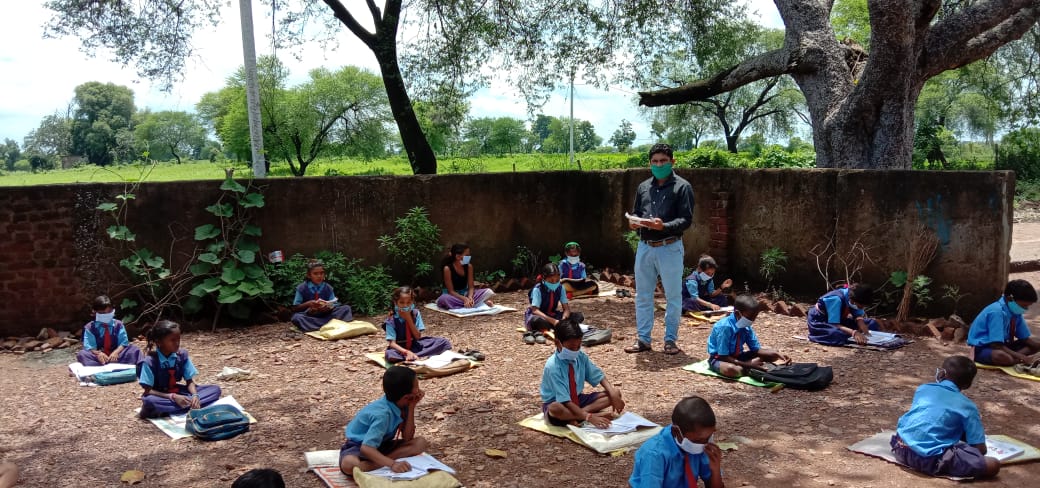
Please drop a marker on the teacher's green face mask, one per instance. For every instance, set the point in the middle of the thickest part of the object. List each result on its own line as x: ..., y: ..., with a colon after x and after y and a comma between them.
x: 661, y: 172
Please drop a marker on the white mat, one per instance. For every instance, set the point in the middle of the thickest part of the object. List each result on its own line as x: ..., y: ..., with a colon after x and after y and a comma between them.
x: 483, y: 309
x: 173, y: 425
x: 81, y: 372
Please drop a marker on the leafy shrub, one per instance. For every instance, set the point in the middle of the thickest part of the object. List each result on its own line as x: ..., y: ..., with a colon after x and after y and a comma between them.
x: 777, y: 157
x: 1019, y: 151
x: 466, y: 166
x: 773, y: 261
x: 708, y: 158
x: 632, y: 238
x: 415, y: 242
x: 365, y: 289
x: 525, y: 262
x: 368, y: 289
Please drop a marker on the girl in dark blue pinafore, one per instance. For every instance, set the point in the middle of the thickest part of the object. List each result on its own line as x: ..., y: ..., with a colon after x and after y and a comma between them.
x: 315, y: 302
x: 548, y: 306
x: 699, y: 291
x: 164, y: 365
x: 839, y: 315
x: 104, y: 338
x: 404, y: 328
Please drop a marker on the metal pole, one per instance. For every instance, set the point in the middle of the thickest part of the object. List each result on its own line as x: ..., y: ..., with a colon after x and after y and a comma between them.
x: 572, y: 118
x: 256, y: 134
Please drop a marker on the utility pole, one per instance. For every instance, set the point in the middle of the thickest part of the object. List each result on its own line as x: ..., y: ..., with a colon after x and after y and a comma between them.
x: 256, y: 134
x: 572, y: 118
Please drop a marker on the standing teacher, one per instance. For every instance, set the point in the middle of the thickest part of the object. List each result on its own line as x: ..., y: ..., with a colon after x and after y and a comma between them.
x: 664, y: 204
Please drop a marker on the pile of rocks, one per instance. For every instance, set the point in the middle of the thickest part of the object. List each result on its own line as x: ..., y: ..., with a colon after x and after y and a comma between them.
x: 48, y: 339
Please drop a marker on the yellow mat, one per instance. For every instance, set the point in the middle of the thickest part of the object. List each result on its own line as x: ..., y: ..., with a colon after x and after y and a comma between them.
x: 1009, y: 370
x: 380, y: 359
x: 537, y: 422
x: 337, y: 329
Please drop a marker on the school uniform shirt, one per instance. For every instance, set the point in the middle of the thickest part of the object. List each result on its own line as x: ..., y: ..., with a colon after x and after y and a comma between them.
x: 939, y: 417
x: 727, y: 339
x: 323, y: 291
x: 672, y: 202
x: 147, y: 376
x: 833, y: 302
x: 536, y: 296
x: 660, y: 463
x: 694, y: 285
x: 91, y: 342
x: 556, y: 385
x: 391, y: 332
x: 572, y: 271
x: 375, y: 424
x: 996, y: 323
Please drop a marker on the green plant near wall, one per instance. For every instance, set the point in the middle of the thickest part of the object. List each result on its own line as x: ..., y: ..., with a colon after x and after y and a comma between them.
x: 772, y: 263
x: 365, y: 289
x: 525, y: 263
x: 919, y: 287
x: 632, y: 238
x: 414, y: 243
x: 229, y: 270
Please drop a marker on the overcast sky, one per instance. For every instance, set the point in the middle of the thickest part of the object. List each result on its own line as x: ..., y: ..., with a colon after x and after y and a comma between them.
x: 38, y: 76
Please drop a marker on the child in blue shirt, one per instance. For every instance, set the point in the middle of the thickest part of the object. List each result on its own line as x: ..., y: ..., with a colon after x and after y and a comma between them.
x: 384, y: 430
x: 699, y: 291
x: 573, y: 274
x: 999, y: 335
x: 104, y: 338
x: 162, y: 368
x: 682, y: 452
x: 942, y: 433
x: 564, y: 378
x: 729, y: 337
x: 315, y: 303
x: 404, y: 331
x: 839, y: 314
x: 549, y: 305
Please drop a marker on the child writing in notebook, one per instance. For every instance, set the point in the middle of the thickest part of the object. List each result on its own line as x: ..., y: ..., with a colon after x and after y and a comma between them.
x: 384, y: 430
x: 839, y: 314
x: 942, y: 434
x: 315, y: 303
x: 733, y: 347
x: 404, y: 328
x: 682, y: 452
x: 549, y: 305
x: 564, y: 378
x: 164, y: 365
x: 999, y: 334
x: 573, y: 274
x: 104, y: 338
x: 699, y: 292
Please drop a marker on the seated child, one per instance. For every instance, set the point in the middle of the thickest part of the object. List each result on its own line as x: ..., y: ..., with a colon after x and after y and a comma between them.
x: 999, y: 335
x: 839, y: 314
x: 564, y: 377
x: 548, y: 306
x: 404, y: 329
x: 259, y: 478
x: 458, y: 282
x: 104, y: 338
x: 573, y: 275
x: 321, y: 304
x: 163, y: 366
x: 942, y: 433
x: 682, y: 452
x: 729, y: 336
x: 699, y: 291
x: 372, y: 435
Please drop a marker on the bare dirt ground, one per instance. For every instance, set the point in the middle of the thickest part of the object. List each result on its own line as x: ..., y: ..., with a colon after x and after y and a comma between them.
x: 306, y: 390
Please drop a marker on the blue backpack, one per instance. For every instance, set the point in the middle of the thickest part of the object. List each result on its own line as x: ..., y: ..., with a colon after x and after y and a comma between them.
x: 216, y: 422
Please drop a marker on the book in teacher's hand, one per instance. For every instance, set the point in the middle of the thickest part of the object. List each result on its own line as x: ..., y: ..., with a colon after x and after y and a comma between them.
x: 1002, y: 450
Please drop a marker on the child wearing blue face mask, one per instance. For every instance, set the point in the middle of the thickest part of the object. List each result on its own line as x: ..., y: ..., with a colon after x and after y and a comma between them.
x: 729, y: 337
x: 999, y: 335
x: 699, y: 292
x: 573, y: 274
x: 104, y: 338
x: 564, y: 377
x: 548, y: 306
x: 404, y: 328
x: 839, y: 314
x: 683, y: 452
x: 459, y: 291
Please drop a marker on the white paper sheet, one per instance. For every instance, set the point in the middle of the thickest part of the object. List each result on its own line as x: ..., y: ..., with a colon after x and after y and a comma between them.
x: 1002, y: 451
x: 421, y: 466
x: 634, y: 220
x: 627, y: 422
x: 877, y: 338
x: 441, y: 360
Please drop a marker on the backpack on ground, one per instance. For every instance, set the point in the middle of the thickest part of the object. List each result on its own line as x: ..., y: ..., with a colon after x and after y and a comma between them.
x: 799, y: 376
x: 115, y: 377
x: 595, y: 337
x: 216, y: 422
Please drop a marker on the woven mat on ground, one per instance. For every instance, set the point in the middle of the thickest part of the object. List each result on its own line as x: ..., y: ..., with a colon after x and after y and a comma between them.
x: 81, y: 372
x: 173, y: 425
x: 1009, y: 370
x: 380, y: 359
x: 878, y: 445
x: 701, y: 367
x: 325, y: 464
x: 471, y: 312
x: 618, y: 445
x: 853, y: 345
x: 337, y: 329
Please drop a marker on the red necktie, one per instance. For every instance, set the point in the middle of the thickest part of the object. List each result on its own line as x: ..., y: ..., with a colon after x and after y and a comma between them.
x: 173, y: 380
x: 107, y: 341
x: 574, y: 385
x: 407, y: 336
x: 691, y: 481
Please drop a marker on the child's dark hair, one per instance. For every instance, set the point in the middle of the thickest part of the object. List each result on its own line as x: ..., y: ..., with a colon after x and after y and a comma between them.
x: 399, y: 292
x: 550, y: 270
x: 398, y: 382
x: 862, y: 293
x: 1020, y: 290
x: 960, y: 370
x: 454, y: 250
x: 745, y: 303
x: 314, y: 263
x: 662, y: 149
x: 692, y: 412
x: 706, y: 262
x: 259, y: 478
x: 102, y: 302
x: 159, y: 331
x: 567, y: 329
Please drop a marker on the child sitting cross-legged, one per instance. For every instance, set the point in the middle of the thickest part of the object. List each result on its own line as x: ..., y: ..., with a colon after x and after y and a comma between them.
x: 404, y: 330
x: 564, y: 377
x: 729, y: 337
x: 681, y: 453
x: 549, y: 305
x: 699, y: 292
x: 384, y: 430
x: 942, y: 433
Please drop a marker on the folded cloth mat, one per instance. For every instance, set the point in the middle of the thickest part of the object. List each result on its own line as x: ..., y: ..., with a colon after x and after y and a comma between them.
x: 701, y: 367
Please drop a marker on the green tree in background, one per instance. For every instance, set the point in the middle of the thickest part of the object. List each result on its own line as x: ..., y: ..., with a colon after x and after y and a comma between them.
x: 623, y: 137
x: 103, y: 110
x: 10, y: 153
x: 169, y: 134
x: 49, y: 142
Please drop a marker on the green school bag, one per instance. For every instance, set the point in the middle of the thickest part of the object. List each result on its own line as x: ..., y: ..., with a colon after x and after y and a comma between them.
x: 115, y: 377
x: 216, y: 422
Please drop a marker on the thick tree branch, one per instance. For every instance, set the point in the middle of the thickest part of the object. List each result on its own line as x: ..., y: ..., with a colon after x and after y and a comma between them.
x: 952, y: 33
x: 348, y: 20
x: 763, y: 66
x: 376, y: 14
x: 955, y: 55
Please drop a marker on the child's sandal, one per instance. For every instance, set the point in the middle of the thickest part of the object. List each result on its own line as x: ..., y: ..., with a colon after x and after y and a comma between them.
x: 529, y: 338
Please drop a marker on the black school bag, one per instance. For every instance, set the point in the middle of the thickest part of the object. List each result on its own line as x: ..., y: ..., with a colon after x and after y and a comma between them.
x: 800, y: 376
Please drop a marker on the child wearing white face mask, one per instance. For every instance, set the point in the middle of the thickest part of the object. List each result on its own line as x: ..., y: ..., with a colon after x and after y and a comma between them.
x: 564, y: 377
x: 699, y: 292
x: 573, y: 274
x: 733, y: 347
x: 404, y: 327
x: 683, y: 452
x: 104, y: 338
x: 549, y: 306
